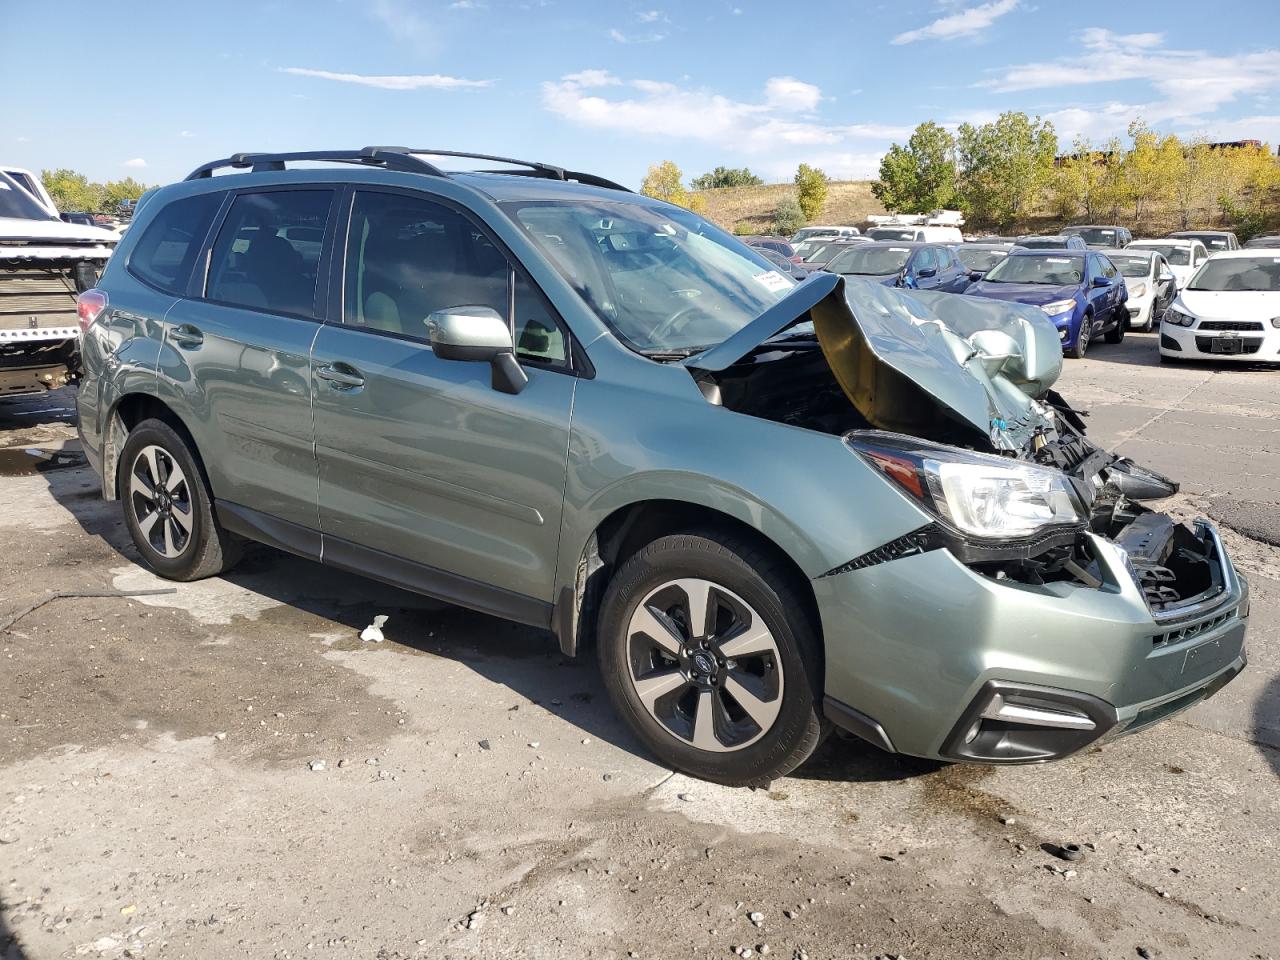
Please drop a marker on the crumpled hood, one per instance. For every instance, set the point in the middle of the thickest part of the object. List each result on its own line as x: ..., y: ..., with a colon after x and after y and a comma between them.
x: 906, y: 357
x: 1033, y: 293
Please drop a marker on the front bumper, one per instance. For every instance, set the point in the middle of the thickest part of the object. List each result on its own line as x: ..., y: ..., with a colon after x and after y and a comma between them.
x: 1196, y: 343
x: 916, y: 646
x: 1138, y: 308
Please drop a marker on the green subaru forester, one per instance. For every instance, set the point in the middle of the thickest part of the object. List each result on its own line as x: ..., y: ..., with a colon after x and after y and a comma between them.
x: 771, y: 506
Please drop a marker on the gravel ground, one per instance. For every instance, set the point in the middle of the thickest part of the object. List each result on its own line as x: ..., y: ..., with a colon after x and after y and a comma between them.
x: 226, y: 770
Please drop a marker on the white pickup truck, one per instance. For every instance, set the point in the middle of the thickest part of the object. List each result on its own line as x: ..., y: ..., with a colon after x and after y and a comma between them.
x: 44, y: 264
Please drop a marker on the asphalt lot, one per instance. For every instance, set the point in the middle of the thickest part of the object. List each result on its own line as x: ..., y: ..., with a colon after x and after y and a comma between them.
x: 157, y: 796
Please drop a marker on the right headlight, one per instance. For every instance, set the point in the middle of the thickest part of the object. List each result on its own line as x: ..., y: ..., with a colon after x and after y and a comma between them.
x: 1178, y: 318
x: 980, y: 495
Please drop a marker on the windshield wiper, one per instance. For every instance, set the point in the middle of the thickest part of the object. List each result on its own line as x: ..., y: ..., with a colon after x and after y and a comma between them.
x: 664, y: 356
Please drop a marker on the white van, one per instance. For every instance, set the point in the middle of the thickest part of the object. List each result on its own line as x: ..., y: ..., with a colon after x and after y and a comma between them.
x: 907, y: 233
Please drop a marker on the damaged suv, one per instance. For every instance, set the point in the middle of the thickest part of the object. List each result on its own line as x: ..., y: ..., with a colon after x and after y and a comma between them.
x: 771, y: 507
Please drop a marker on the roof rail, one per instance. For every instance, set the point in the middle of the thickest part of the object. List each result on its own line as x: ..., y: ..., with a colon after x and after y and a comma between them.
x: 534, y: 168
x: 408, y: 159
x: 373, y: 156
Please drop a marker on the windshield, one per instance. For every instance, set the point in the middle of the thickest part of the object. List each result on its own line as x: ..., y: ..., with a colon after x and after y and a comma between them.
x: 1214, y: 241
x: 1246, y: 274
x: 980, y: 259
x: 1131, y: 266
x: 15, y: 202
x: 1095, y: 236
x: 1178, y: 256
x: 665, y: 280
x: 809, y: 233
x: 1051, y: 271
x: 869, y: 261
x: 891, y: 233
x: 823, y: 251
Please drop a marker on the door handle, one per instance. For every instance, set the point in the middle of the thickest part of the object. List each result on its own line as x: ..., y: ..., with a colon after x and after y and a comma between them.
x: 185, y: 335
x: 340, y: 376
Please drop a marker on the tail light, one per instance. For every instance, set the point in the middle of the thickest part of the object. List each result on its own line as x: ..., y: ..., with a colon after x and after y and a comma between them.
x: 90, y: 305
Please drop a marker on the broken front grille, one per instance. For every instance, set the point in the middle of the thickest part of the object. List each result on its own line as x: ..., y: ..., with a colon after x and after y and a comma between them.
x: 33, y: 298
x: 1193, y: 630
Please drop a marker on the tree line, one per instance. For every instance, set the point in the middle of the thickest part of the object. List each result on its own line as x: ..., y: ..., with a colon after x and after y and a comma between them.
x: 1003, y: 172
x: 73, y: 191
x: 665, y: 182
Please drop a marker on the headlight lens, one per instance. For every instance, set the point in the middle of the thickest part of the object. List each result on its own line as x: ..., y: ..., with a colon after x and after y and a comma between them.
x: 1058, y: 306
x: 1139, y: 289
x: 982, y: 496
x: 1178, y: 318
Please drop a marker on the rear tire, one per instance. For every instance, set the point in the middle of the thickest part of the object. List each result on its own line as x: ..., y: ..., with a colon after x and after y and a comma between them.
x: 168, y: 508
x: 736, y: 699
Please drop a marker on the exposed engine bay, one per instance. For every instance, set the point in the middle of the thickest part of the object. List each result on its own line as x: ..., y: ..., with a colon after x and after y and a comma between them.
x: 910, y: 378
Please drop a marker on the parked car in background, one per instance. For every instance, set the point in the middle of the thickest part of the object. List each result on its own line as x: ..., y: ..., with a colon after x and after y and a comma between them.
x: 791, y: 269
x: 765, y: 507
x: 1215, y: 241
x: 1262, y: 243
x: 1007, y: 241
x: 1229, y: 311
x: 1051, y: 242
x: 816, y: 252
x: 1150, y: 283
x: 915, y: 266
x: 1109, y: 235
x: 1183, y: 256
x: 810, y: 233
x: 84, y: 219
x: 32, y: 184
x: 776, y: 244
x: 44, y: 264
x: 1081, y: 291
x: 978, y: 258
x: 914, y: 234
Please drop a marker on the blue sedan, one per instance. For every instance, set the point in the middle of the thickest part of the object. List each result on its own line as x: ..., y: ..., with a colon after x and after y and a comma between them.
x: 1082, y: 292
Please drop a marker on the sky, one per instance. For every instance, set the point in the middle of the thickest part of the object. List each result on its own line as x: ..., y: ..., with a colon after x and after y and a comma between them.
x: 153, y: 89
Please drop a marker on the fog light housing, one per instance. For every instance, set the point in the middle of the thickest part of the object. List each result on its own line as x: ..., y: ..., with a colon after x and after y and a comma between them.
x: 1022, y: 723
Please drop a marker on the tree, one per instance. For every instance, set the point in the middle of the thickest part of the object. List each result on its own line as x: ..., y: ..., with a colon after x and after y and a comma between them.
x: 663, y: 182
x: 71, y: 190
x: 1193, y: 182
x: 114, y: 192
x: 1149, y: 168
x: 726, y: 177
x: 1005, y: 165
x: 812, y: 193
x: 788, y: 217
x: 920, y: 177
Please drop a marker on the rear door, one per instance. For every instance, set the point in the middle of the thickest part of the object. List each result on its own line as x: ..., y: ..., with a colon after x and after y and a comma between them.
x: 237, y: 355
x: 427, y: 475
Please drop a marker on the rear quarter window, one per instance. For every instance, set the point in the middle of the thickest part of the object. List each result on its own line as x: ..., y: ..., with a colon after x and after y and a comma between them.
x: 171, y: 242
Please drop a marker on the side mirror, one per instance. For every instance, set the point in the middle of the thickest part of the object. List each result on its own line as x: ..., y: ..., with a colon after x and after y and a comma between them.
x: 477, y: 333
x: 975, y: 275
x: 926, y: 273
x: 1102, y: 281
x: 1166, y: 277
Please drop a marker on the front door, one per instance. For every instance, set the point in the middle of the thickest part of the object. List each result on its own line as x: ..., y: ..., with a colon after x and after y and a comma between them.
x: 428, y: 476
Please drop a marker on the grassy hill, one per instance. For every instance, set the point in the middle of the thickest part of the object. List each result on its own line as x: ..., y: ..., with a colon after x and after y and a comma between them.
x: 848, y: 202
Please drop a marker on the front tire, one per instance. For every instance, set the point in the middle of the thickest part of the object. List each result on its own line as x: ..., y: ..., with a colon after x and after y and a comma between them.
x: 1078, y: 349
x: 168, y: 508
x: 708, y: 654
x: 1116, y: 333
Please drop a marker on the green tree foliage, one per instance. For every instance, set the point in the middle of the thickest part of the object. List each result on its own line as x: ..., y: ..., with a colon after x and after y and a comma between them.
x: 812, y: 191
x: 726, y: 177
x: 664, y: 182
x: 921, y: 176
x: 1005, y: 165
x: 71, y: 190
x: 116, y: 191
x: 789, y: 216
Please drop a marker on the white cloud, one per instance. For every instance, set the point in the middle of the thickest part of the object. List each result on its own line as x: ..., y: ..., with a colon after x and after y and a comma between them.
x: 836, y: 164
x: 433, y: 81
x: 24, y: 139
x: 617, y: 36
x: 655, y: 109
x: 466, y: 5
x: 137, y: 163
x: 651, y: 16
x: 1188, y: 86
x: 964, y: 23
x: 185, y: 134
x: 788, y: 93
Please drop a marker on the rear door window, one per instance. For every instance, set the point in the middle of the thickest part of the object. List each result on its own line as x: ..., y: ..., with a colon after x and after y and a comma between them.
x: 268, y: 251
x: 171, y: 243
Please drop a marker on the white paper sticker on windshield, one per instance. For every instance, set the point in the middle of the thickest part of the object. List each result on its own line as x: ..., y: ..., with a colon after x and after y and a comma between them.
x: 899, y: 249
x: 772, y: 280
x: 1056, y: 260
